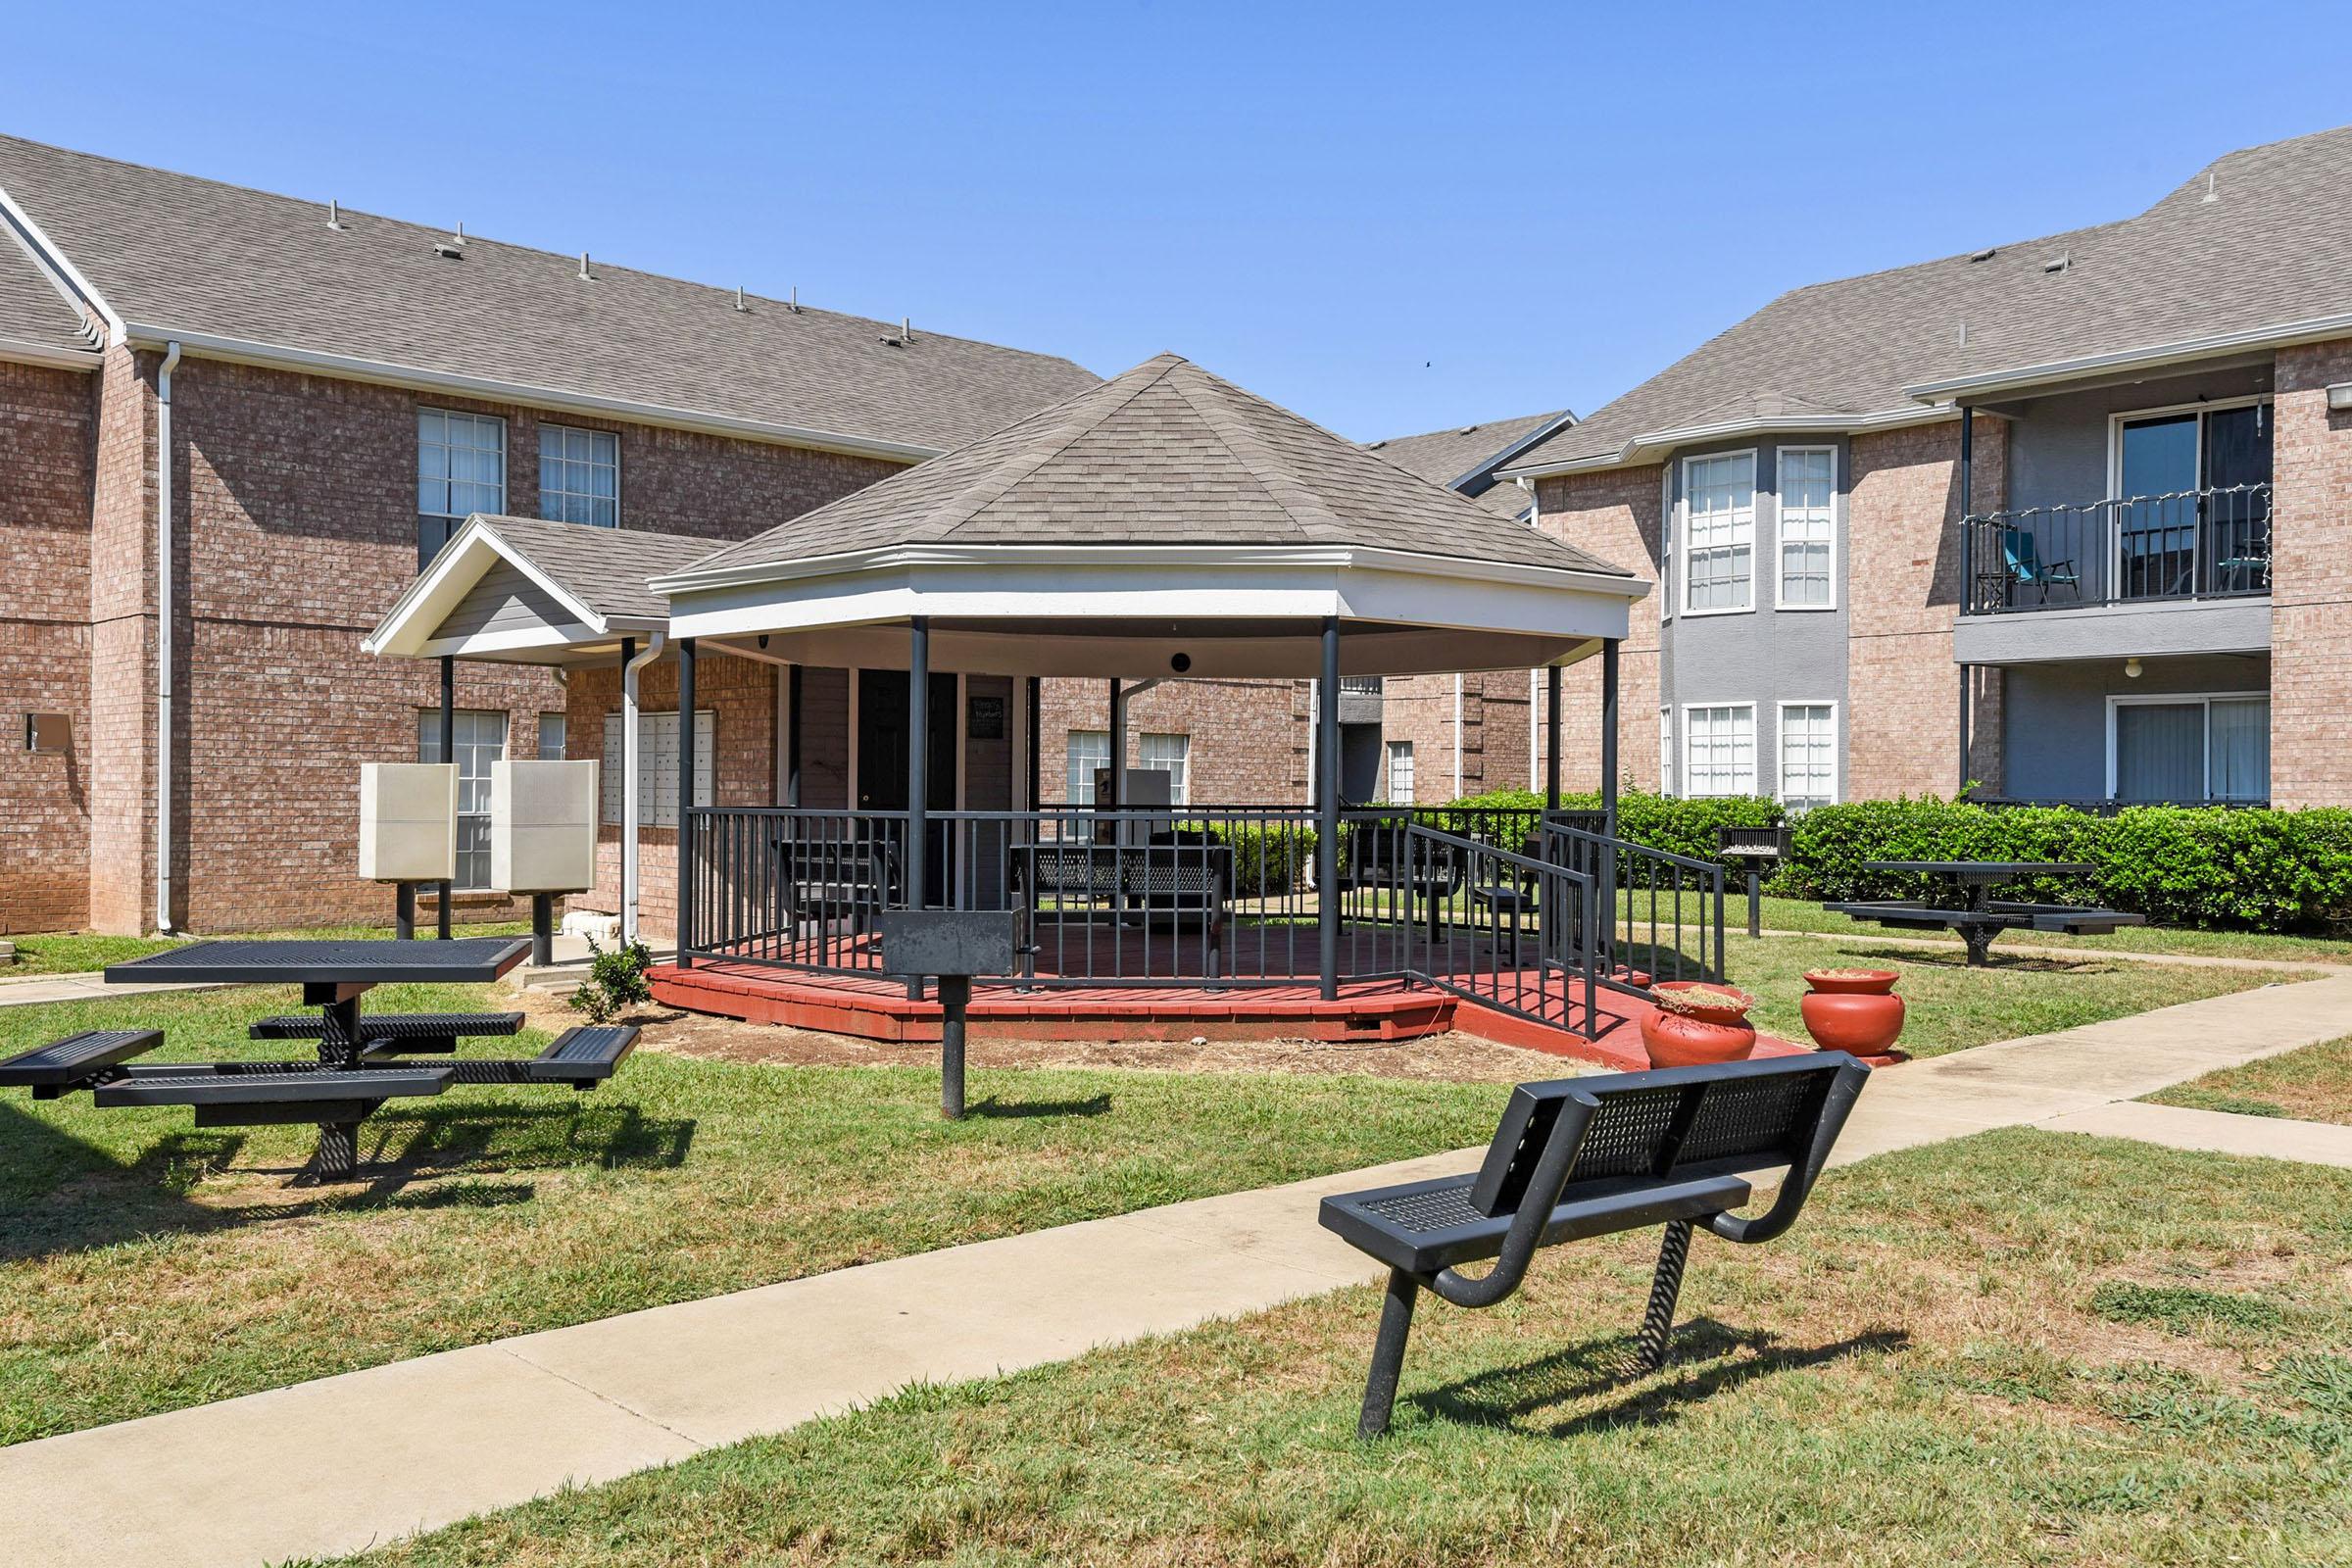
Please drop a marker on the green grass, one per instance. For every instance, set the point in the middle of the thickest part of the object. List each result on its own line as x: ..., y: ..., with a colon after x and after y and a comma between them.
x: 79, y: 952
x: 1920, y: 1374
x: 147, y: 1264
x: 1949, y: 1006
x: 2313, y: 1084
x: 1801, y: 915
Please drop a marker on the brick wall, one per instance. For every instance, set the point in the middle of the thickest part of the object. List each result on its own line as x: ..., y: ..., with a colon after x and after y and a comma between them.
x: 1613, y: 514
x: 122, y: 652
x: 1249, y: 737
x: 2311, y: 594
x: 1493, y: 732
x: 47, y: 436
x: 1903, y: 576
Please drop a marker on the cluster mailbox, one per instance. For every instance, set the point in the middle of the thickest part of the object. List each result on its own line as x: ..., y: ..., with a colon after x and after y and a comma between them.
x: 407, y: 828
x: 543, y: 837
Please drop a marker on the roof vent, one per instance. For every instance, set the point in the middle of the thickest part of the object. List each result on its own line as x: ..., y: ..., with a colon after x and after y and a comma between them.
x: 1375, y: 446
x: 453, y: 249
x: 740, y: 302
x: 2212, y: 188
x: 794, y: 304
x: 586, y: 276
x: 2059, y: 262
x: 1467, y: 429
x: 334, y: 213
x: 1985, y: 254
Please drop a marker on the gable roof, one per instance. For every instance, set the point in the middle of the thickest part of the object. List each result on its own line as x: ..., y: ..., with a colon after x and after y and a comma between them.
x: 1165, y: 454
x: 1466, y: 456
x: 36, y: 322
x: 2257, y: 248
x: 202, y: 261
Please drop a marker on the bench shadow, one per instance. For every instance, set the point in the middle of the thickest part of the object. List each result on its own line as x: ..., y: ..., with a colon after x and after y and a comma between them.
x: 2016, y: 960
x: 1021, y: 1110
x: 1518, y: 1396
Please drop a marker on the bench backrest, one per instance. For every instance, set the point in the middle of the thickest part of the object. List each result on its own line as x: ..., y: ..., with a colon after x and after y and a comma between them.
x: 1678, y: 1122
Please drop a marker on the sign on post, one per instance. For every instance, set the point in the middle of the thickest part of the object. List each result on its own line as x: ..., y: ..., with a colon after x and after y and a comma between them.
x: 950, y: 945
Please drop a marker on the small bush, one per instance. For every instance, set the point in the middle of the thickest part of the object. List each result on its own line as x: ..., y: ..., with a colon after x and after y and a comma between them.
x: 615, y: 981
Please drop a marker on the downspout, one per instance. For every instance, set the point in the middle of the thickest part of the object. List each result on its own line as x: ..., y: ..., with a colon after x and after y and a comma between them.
x: 1457, y: 737
x: 629, y: 806
x: 164, y: 614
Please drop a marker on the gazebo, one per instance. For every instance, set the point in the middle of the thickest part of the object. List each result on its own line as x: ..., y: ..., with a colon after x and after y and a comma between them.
x: 1163, y: 524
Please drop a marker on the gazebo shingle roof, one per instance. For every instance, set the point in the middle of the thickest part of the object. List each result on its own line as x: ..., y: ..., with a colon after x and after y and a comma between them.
x: 1165, y: 454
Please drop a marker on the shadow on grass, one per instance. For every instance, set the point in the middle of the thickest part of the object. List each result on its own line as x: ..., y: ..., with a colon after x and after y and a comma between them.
x: 2012, y: 960
x: 83, y: 1197
x: 1705, y: 1360
x: 1022, y: 1109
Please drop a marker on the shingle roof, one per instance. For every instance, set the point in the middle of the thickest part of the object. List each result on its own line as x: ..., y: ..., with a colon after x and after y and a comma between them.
x: 31, y: 310
x: 2259, y: 238
x: 1163, y: 453
x: 605, y: 568
x: 197, y: 255
x: 1469, y: 451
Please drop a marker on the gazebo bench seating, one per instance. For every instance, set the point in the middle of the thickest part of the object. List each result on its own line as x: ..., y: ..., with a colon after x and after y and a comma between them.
x: 74, y: 1061
x: 422, y: 1033
x: 1576, y: 1157
x: 584, y: 1056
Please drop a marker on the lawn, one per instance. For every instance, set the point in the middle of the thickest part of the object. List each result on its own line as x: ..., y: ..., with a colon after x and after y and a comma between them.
x: 1952, y: 1006
x: 2313, y: 1084
x: 1802, y: 914
x: 79, y: 952
x: 147, y: 1264
x: 2024, y: 1348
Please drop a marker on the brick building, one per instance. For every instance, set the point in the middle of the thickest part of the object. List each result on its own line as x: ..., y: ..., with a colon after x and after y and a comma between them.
x: 299, y: 402
x: 2147, y: 426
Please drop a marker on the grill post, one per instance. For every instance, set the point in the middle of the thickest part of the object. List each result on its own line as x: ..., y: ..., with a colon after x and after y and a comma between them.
x: 954, y: 997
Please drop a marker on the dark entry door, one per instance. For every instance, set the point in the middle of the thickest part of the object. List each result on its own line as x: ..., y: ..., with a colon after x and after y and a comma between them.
x: 882, y: 752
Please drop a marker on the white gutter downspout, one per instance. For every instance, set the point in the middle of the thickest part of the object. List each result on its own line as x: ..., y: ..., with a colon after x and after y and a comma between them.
x: 1457, y: 737
x: 163, y: 650
x: 628, y: 783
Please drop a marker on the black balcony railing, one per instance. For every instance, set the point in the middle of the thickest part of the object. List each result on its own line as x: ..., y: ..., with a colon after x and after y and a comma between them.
x: 2191, y: 544
x: 1359, y: 685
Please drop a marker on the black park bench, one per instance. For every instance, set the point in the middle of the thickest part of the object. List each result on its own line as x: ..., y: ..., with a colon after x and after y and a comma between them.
x: 1591, y: 1157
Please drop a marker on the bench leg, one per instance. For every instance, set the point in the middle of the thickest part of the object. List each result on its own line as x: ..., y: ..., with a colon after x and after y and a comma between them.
x: 1979, y: 945
x: 337, y: 1155
x: 1388, y: 1353
x: 1665, y: 1289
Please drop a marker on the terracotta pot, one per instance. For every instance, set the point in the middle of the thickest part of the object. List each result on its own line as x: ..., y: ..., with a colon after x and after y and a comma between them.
x: 1694, y: 1033
x: 1852, y: 1010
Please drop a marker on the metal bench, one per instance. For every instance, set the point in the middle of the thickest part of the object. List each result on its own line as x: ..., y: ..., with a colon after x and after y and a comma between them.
x: 76, y: 1062
x: 1386, y: 856
x: 585, y: 1055
x: 1591, y: 1157
x: 415, y: 1033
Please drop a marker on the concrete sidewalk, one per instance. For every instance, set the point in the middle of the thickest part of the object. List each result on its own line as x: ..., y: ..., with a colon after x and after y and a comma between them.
x: 242, y: 1482
x: 36, y: 990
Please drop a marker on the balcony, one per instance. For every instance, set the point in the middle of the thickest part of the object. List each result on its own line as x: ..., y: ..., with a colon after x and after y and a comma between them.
x: 2186, y: 546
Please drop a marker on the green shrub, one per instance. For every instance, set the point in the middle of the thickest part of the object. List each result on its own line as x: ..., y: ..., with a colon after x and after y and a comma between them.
x: 1662, y: 822
x: 1269, y: 858
x: 615, y: 981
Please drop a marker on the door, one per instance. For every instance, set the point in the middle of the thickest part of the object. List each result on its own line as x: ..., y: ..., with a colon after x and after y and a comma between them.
x: 882, y: 754
x: 2237, y: 503
x: 2156, y: 523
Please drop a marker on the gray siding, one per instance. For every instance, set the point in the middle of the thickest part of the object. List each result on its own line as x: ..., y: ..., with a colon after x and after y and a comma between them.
x: 504, y: 599
x: 2058, y: 445
x: 2054, y: 717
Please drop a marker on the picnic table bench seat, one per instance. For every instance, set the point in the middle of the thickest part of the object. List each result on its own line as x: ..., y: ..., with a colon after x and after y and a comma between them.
x: 50, y: 1070
x: 584, y: 1056
x: 267, y: 1084
x: 436, y: 1033
x: 1577, y: 1158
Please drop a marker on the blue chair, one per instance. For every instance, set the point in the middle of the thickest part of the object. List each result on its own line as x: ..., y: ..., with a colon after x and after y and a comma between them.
x: 2020, y: 557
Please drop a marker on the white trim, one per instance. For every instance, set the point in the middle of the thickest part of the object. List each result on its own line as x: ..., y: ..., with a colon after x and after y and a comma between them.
x: 2311, y: 329
x: 540, y: 488
x: 1780, y: 538
x: 434, y: 592
x: 780, y: 785
x: 17, y: 351
x: 56, y: 265
x: 1457, y: 735
x: 963, y: 763
x: 243, y: 351
x: 848, y: 782
x: 1779, y: 746
x: 2204, y: 700
x: 1683, y: 748
x: 505, y: 458
x: 1682, y: 603
x: 1653, y: 445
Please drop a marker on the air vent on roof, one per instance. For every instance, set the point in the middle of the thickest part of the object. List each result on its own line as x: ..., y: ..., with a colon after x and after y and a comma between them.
x: 794, y: 304
x: 2212, y: 191
x: 335, y: 215
x: 740, y: 302
x: 1374, y: 446
x: 1467, y: 429
x: 586, y: 276
x: 1985, y: 254
x: 453, y: 249
x: 2059, y: 262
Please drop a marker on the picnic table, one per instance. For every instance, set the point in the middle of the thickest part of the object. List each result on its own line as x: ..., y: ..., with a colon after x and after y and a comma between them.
x: 362, y: 1059
x: 1977, y: 915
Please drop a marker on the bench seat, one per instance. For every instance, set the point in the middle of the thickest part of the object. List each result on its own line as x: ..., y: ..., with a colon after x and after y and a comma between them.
x: 1422, y: 1227
x: 200, y: 1085
x: 414, y: 1031
x: 585, y: 1055
x: 63, y: 1064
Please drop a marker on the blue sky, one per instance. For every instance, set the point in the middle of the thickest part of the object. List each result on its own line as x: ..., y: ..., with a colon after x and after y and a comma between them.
x: 1390, y: 218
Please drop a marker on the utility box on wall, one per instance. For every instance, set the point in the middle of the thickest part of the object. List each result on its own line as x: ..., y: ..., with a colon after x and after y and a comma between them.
x: 408, y: 821
x: 543, y: 826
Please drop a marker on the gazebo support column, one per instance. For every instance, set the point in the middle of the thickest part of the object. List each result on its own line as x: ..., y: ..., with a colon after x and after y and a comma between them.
x: 685, y: 921
x: 1608, y: 736
x: 449, y: 755
x: 1118, y: 744
x: 918, y: 774
x: 1551, y: 738
x: 1327, y: 808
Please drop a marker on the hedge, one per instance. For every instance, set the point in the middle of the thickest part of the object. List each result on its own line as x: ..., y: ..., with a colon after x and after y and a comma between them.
x: 2211, y: 866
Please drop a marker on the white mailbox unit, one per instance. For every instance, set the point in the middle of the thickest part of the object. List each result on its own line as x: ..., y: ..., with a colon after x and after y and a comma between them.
x: 543, y: 837
x: 407, y: 828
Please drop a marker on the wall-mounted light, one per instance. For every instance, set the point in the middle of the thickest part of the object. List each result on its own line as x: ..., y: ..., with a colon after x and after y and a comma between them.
x: 2131, y: 668
x: 2340, y: 396
x: 1180, y: 663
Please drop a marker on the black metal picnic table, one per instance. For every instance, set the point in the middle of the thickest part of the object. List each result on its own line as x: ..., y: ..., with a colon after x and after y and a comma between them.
x: 1979, y: 916
x: 363, y: 1061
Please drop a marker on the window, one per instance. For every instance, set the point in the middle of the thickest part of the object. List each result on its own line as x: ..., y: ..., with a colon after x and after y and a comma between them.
x: 1807, y: 527
x: 1169, y: 754
x: 1401, y: 772
x: 1665, y: 750
x: 1090, y: 748
x: 1808, y: 754
x: 658, y: 766
x: 1719, y: 756
x: 1719, y: 535
x: 482, y: 739
x: 2189, y: 747
x: 579, y: 475
x: 2196, y: 513
x: 551, y: 737
x: 461, y: 470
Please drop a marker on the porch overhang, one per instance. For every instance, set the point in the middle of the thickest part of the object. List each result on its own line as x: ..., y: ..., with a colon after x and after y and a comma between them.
x: 485, y: 597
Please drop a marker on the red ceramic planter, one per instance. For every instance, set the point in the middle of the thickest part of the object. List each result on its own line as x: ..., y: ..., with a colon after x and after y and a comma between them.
x: 1699, y: 1035
x: 1853, y: 1011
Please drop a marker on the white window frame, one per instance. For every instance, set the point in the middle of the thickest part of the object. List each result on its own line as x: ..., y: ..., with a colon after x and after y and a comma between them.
x: 1779, y: 528
x: 1180, y: 789
x: 2204, y: 700
x: 473, y: 824
x: 1667, y: 590
x: 1689, y: 552
x: 657, y: 765
x: 563, y: 720
x: 560, y: 431
x: 1779, y: 751
x: 472, y: 418
x: 1396, y: 750
x: 1689, y: 790
x: 1071, y: 786
x: 1666, y: 768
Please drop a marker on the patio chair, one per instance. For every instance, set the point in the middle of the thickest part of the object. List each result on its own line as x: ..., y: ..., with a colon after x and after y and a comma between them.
x: 2021, y: 558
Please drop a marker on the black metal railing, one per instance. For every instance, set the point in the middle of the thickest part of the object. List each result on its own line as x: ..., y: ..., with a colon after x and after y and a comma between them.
x: 2190, y: 544
x: 1665, y: 910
